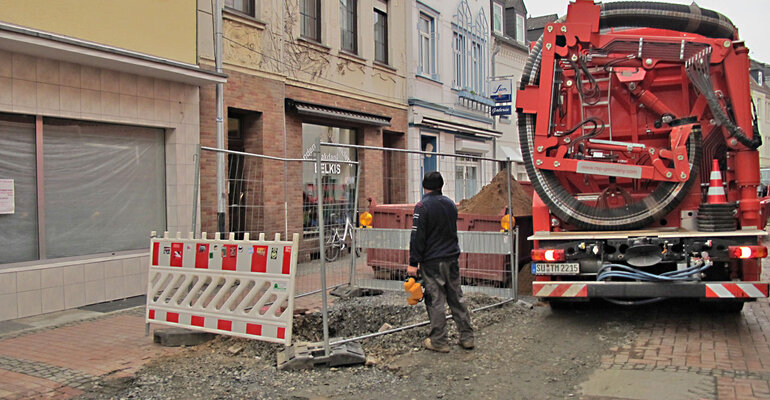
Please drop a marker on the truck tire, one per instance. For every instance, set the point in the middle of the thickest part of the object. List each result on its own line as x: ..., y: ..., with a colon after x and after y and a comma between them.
x: 668, y: 195
x: 724, y: 306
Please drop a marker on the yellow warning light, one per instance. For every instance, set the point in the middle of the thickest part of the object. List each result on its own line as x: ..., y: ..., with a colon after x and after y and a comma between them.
x: 507, y: 222
x: 365, y: 219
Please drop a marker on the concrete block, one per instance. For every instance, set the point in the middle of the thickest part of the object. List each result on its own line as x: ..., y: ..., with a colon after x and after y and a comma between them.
x: 174, y: 337
x: 310, y: 355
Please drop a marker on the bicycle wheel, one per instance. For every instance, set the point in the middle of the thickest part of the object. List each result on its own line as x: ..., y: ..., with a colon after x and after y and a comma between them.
x: 332, y: 246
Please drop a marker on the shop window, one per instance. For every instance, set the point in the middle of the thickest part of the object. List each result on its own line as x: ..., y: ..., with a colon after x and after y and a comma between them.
x: 338, y: 179
x: 103, y: 188
x: 18, y: 210
x: 466, y: 178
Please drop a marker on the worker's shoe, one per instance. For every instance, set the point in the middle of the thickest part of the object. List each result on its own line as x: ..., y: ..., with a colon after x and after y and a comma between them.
x: 430, y: 346
x: 467, y: 344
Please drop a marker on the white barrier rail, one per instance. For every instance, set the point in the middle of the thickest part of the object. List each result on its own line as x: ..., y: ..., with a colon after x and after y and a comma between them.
x: 233, y: 287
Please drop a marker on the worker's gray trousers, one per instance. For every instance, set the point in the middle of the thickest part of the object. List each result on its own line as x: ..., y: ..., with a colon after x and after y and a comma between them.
x: 442, y: 286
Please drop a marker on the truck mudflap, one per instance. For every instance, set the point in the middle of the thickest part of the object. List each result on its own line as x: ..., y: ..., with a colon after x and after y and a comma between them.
x: 713, y: 290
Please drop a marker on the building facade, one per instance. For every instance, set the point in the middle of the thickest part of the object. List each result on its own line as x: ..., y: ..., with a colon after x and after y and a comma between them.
x: 760, y: 94
x: 98, y: 118
x: 299, y: 70
x: 447, y: 86
x: 509, y: 54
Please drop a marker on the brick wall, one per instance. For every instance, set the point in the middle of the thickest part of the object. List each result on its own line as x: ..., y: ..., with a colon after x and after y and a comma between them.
x: 265, y: 135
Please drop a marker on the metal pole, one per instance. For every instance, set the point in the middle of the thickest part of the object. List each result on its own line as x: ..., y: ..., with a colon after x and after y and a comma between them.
x: 419, y: 324
x: 321, y: 244
x: 515, y: 283
x: 221, y: 189
x: 353, y: 238
x: 196, y: 184
x: 514, y: 255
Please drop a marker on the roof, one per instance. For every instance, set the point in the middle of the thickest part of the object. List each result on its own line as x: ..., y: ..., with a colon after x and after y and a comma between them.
x: 517, y: 4
x: 541, y: 21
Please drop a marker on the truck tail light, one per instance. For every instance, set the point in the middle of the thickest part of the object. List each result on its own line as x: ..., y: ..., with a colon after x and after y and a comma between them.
x: 549, y: 255
x: 747, y: 251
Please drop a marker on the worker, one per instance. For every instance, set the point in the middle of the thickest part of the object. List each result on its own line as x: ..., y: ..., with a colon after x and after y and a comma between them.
x: 434, y: 251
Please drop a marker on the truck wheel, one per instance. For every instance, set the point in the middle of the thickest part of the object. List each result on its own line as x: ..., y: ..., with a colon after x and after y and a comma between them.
x: 724, y: 306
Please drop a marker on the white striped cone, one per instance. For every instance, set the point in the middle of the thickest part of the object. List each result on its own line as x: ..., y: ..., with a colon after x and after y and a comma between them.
x: 716, y: 192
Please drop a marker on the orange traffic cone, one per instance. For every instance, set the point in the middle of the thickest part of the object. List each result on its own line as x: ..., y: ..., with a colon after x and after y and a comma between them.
x: 716, y: 192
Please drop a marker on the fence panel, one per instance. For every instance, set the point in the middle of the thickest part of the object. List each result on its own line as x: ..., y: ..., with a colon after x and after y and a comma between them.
x: 240, y: 288
x: 277, y: 195
x: 483, y: 194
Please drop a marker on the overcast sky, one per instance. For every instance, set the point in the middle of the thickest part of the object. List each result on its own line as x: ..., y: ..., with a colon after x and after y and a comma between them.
x: 752, y: 17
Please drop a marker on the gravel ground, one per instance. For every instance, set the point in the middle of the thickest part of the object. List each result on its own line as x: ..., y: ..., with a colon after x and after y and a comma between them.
x: 526, y: 353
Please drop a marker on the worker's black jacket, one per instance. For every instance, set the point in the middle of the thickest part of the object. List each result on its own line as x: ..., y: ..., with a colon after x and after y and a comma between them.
x: 434, y: 229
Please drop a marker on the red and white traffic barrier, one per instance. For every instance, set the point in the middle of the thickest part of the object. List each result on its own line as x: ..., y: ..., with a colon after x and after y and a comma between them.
x: 240, y: 288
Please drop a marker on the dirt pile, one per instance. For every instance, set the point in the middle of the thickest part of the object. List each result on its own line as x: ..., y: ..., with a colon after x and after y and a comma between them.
x: 493, y: 198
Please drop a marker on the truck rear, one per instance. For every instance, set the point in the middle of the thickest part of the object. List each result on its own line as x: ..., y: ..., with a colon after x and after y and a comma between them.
x: 639, y: 136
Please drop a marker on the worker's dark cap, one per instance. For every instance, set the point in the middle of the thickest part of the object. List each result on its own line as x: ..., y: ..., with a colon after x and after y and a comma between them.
x: 433, y: 181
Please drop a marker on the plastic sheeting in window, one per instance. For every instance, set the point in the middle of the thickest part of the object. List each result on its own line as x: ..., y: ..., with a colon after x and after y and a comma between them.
x: 104, y: 187
x: 18, y: 231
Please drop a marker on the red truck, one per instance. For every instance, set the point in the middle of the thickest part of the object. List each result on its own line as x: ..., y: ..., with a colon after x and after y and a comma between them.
x: 638, y: 133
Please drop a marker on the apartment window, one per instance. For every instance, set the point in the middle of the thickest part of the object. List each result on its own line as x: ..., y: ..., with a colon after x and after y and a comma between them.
x: 520, y: 30
x: 310, y: 19
x: 242, y: 6
x: 381, y: 32
x: 477, y: 68
x: 103, y: 187
x: 459, y: 59
x: 470, y: 49
x: 426, y: 45
x: 497, y: 18
x: 348, y: 25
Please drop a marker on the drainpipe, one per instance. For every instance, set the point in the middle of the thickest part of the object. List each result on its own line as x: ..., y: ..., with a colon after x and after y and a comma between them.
x: 221, y: 189
x: 494, y: 119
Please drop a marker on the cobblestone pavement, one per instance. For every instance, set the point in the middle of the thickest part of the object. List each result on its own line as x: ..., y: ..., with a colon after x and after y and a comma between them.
x: 725, y: 357
x: 682, y: 355
x: 708, y: 356
x: 58, y: 363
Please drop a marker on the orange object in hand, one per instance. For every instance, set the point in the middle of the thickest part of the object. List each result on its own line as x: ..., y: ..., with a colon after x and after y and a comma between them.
x: 413, y: 290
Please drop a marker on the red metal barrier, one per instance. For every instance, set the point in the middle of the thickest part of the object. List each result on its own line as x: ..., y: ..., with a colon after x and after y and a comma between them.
x: 475, y: 266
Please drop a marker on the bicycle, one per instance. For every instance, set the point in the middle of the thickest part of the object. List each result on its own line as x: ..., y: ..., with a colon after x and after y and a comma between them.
x: 336, y: 241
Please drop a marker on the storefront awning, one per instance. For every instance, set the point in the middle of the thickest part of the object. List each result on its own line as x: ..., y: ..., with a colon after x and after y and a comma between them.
x: 338, y: 114
x: 455, y: 127
x: 512, y: 153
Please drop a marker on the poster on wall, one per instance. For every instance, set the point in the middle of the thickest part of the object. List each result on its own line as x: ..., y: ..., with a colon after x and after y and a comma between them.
x: 6, y: 196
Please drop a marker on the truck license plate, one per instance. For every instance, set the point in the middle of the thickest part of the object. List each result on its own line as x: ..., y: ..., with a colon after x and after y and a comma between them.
x: 555, y: 268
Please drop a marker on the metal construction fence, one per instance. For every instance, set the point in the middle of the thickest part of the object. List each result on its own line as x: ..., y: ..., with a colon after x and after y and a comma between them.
x: 322, y: 196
